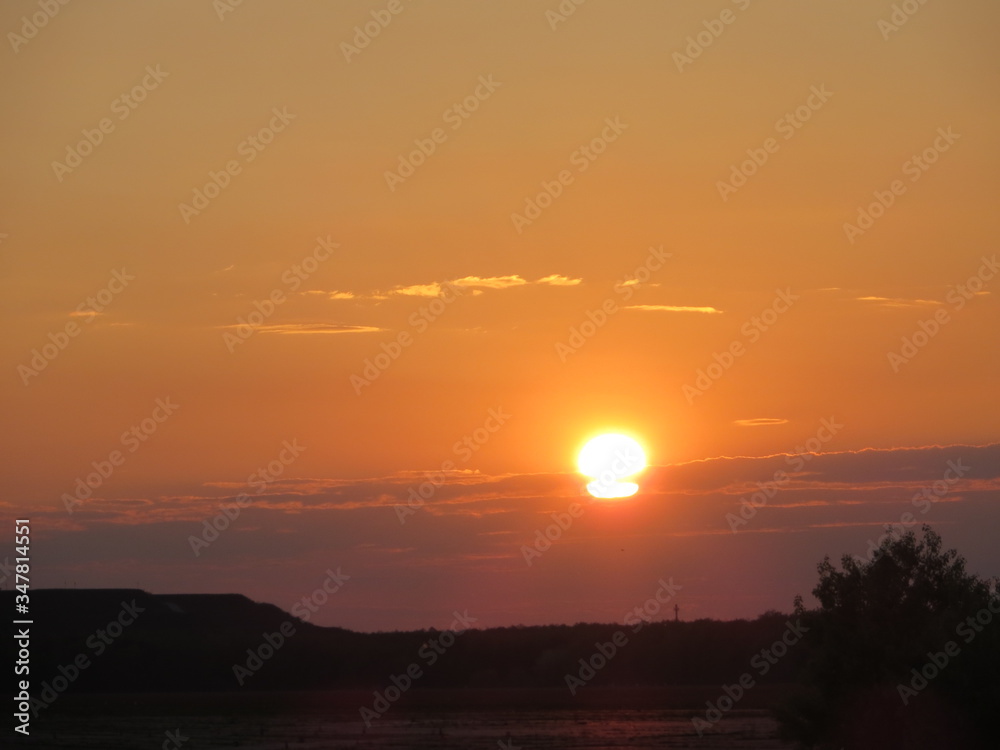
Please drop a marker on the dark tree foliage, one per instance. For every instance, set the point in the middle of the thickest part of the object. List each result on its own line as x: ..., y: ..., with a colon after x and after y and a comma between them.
x: 903, y: 652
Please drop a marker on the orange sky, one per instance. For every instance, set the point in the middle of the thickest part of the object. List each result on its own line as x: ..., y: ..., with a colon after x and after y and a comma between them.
x: 488, y: 106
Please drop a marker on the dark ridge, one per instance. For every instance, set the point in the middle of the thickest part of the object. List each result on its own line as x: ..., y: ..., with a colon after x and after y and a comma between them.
x: 194, y: 642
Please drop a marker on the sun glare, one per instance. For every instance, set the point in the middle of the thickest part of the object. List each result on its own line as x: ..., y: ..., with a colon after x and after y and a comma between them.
x: 608, y: 459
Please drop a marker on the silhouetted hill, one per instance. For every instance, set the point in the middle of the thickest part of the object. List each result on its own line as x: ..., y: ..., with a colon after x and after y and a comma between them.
x: 191, y: 643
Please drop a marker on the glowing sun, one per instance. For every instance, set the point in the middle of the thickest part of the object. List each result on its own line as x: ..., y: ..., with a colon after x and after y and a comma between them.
x: 609, y: 458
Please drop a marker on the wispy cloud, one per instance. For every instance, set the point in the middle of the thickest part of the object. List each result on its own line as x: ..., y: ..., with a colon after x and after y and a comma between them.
x: 675, y: 308
x: 897, y: 301
x: 490, y: 282
x: 760, y: 422
x: 434, y: 289
x: 312, y: 328
x: 559, y: 280
x: 636, y: 282
x: 340, y: 294
x: 415, y: 290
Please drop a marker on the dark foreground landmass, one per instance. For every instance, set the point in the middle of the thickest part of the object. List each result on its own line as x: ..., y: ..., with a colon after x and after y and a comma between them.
x: 140, y: 642
x: 902, y: 652
x: 116, y: 669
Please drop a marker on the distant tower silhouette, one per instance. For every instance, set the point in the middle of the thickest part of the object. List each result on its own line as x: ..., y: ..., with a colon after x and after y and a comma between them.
x: 677, y: 613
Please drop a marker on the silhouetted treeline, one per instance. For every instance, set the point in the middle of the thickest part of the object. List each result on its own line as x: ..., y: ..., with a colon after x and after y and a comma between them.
x: 192, y: 643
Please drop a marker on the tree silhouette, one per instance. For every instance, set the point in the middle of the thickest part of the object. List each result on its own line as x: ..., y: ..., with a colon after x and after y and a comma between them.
x: 894, y: 658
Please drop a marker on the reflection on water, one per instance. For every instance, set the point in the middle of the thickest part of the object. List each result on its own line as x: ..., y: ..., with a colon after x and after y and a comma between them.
x: 471, y: 730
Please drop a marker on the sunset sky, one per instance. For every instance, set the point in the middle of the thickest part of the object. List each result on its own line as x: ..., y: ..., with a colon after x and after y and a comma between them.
x: 734, y: 230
